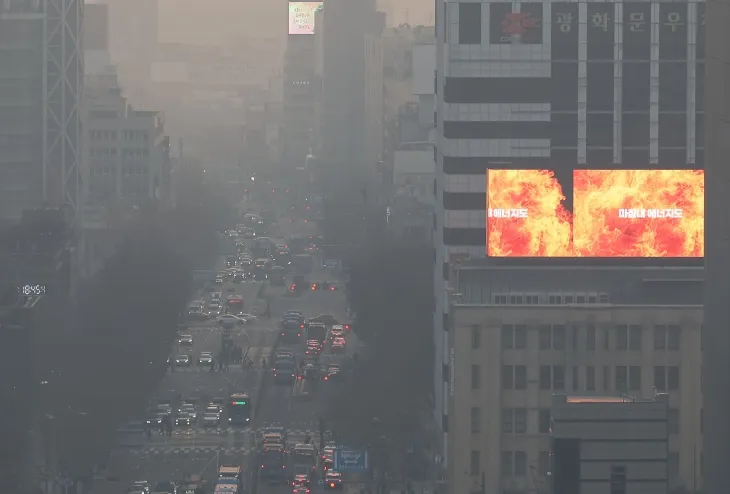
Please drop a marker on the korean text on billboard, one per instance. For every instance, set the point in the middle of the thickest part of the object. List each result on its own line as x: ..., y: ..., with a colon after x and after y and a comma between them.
x: 301, y: 17
x: 615, y: 213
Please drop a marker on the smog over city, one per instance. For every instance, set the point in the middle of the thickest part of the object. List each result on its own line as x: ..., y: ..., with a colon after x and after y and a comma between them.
x: 364, y: 246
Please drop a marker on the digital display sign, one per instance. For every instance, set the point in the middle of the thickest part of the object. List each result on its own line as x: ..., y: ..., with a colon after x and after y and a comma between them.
x: 611, y: 213
x: 301, y: 17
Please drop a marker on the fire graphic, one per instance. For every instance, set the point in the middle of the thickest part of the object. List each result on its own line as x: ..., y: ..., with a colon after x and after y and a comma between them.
x: 599, y: 230
x: 616, y: 213
x: 545, y: 232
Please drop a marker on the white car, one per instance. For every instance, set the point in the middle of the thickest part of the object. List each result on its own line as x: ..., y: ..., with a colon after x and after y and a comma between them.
x: 189, y: 410
x: 230, y: 319
x: 205, y: 358
x: 247, y: 318
x: 185, y: 339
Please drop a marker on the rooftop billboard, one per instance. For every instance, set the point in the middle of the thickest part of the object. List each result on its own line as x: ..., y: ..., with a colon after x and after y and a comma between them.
x: 611, y: 213
x: 301, y: 17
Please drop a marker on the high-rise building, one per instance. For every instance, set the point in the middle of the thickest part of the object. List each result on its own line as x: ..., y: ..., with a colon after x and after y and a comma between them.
x: 560, y: 87
x: 41, y: 76
x: 344, y: 90
x: 301, y: 85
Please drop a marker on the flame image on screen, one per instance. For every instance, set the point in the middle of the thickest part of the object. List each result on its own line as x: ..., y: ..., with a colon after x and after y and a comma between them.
x: 667, y: 213
x: 545, y: 229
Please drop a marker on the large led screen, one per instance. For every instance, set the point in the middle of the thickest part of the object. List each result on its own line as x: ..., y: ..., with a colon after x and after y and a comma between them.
x: 301, y: 17
x: 602, y: 213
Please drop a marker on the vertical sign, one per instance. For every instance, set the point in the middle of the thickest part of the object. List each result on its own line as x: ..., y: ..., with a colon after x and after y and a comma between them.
x: 564, y: 31
x: 673, y: 31
x: 600, y: 31
x: 637, y: 31
x: 507, y: 27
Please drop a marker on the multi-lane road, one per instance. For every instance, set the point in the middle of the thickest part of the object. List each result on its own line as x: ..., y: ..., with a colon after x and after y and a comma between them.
x: 198, y: 450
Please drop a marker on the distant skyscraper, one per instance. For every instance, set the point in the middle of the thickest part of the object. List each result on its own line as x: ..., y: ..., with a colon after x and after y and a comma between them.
x: 41, y: 76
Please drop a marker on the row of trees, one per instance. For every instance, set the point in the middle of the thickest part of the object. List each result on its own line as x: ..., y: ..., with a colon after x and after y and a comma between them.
x: 118, y: 337
x: 391, y: 291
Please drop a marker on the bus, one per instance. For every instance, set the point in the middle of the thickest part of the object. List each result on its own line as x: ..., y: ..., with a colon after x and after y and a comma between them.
x: 234, y: 304
x: 239, y: 409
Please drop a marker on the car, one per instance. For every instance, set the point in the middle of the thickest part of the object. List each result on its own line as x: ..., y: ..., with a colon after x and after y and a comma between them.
x: 164, y: 406
x: 205, y: 358
x: 247, y: 318
x: 218, y: 402
x: 333, y: 480
x: 198, y: 315
x: 248, y: 233
x: 300, y: 489
x: 214, y: 310
x: 185, y: 339
x: 331, y: 371
x: 155, y: 417
x: 142, y: 484
x: 230, y: 319
x: 218, y: 279
x: 211, y: 419
x: 326, y: 319
x: 338, y: 345
x: 337, y: 330
x: 184, y: 420
x: 211, y: 408
x: 167, y: 486
x: 182, y: 360
x: 189, y: 410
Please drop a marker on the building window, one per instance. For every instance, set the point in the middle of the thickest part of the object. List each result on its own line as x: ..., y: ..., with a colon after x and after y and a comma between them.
x: 622, y: 337
x: 476, y: 377
x: 618, y: 479
x: 635, y: 337
x: 543, y: 463
x: 508, y: 421
x: 575, y: 378
x: 545, y: 337
x: 590, y: 378
x: 520, y: 336
x: 476, y: 420
x: 520, y: 463
x: 672, y: 378
x: 606, y: 378
x: 508, y: 336
x: 673, y: 337
x: 591, y: 338
x: 508, y: 378
x: 545, y: 377
x: 520, y: 420
x: 660, y: 378
x: 559, y: 337
x: 660, y: 337
x: 635, y: 378
x: 621, y: 379
x: 673, y: 421
x: 605, y: 339
x: 574, y: 338
x: 470, y: 23
x: 506, y: 464
x: 543, y: 420
x: 476, y: 337
x: 520, y: 377
x: 558, y: 378
x: 475, y: 463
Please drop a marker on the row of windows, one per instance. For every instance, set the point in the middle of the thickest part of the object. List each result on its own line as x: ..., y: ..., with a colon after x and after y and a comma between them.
x: 126, y: 170
x: 563, y: 129
x: 550, y: 298
x: 515, y: 463
x: 553, y: 377
x: 561, y: 90
x: 554, y: 337
x: 515, y: 421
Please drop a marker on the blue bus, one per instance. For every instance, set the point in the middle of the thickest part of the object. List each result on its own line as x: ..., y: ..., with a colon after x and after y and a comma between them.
x: 239, y: 409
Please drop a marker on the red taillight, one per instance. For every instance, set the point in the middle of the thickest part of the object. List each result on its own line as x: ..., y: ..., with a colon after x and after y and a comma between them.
x: 347, y: 327
x: 282, y: 334
x: 262, y: 466
x: 299, y: 334
x: 300, y: 378
x: 326, y: 378
x: 332, y: 485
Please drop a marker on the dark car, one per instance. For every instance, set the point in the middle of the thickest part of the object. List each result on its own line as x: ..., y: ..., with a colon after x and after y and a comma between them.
x: 166, y: 486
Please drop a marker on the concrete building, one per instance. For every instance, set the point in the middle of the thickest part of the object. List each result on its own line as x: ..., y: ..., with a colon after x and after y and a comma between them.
x: 517, y: 335
x: 717, y: 240
x: 607, y: 443
x: 561, y: 88
x: 344, y: 93
x: 374, y: 97
x: 126, y: 164
x: 302, y: 85
x: 40, y: 91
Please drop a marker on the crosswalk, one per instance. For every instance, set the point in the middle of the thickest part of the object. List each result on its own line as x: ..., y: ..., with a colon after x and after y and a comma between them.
x: 191, y: 451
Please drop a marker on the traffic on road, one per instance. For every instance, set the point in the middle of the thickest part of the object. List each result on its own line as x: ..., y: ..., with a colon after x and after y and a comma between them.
x: 258, y: 350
